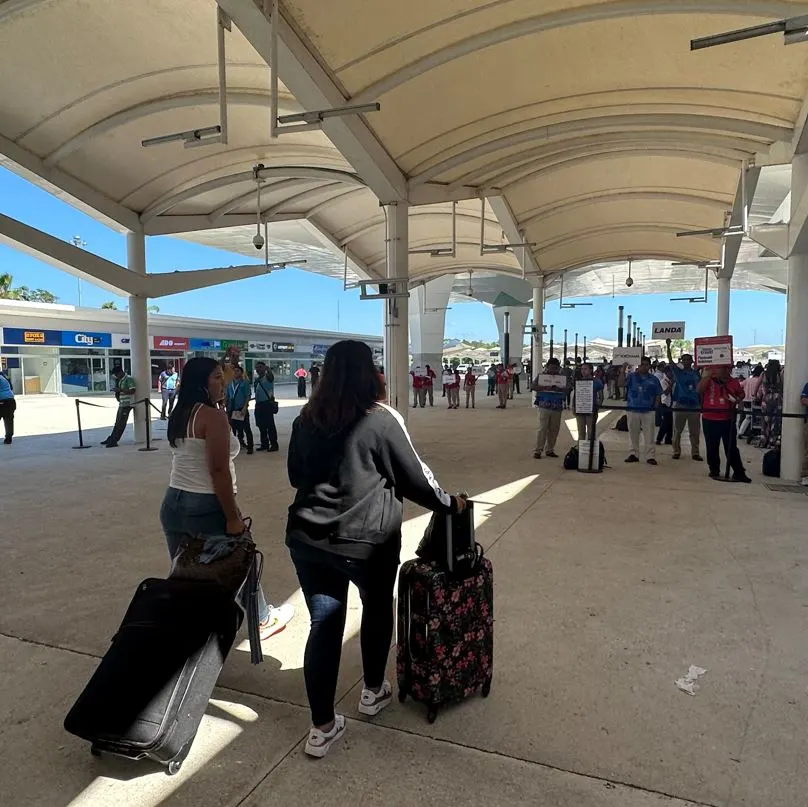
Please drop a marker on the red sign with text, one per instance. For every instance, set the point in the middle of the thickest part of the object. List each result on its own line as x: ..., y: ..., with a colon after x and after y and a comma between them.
x: 171, y: 343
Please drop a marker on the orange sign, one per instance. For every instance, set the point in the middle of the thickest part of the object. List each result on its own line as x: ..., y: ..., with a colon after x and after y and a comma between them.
x: 34, y: 337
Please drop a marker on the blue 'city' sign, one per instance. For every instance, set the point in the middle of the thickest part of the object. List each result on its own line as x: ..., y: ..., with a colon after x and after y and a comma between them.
x: 205, y: 344
x: 86, y: 339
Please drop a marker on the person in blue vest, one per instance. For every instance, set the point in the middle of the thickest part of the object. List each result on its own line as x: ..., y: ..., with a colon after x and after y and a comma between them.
x: 643, y: 394
x: 7, y: 406
x: 238, y: 408
x: 686, y: 403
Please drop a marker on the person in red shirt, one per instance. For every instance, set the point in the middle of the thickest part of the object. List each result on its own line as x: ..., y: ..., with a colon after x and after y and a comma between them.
x: 470, y: 386
x: 417, y: 386
x: 429, y: 384
x: 719, y: 394
x: 503, y: 385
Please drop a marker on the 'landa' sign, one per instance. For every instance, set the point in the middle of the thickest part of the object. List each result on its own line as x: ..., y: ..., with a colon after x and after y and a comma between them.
x: 668, y: 330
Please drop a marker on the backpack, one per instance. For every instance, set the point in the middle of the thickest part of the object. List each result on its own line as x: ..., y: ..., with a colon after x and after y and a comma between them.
x: 572, y: 458
x: 771, y: 462
x: 622, y: 424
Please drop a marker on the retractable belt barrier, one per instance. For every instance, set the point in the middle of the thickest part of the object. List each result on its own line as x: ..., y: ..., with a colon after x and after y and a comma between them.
x: 80, y: 403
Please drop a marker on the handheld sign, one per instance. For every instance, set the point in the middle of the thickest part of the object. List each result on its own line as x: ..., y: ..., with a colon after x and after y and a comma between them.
x: 584, y: 397
x: 668, y: 330
x: 713, y: 351
x: 558, y: 381
x: 627, y: 355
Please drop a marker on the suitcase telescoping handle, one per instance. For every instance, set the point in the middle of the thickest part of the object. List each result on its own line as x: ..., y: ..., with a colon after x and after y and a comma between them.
x: 450, y: 552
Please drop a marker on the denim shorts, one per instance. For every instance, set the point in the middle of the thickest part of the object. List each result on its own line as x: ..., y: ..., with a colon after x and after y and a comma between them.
x: 183, y: 514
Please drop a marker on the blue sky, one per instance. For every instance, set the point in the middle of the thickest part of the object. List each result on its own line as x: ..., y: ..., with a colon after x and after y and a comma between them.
x: 301, y: 299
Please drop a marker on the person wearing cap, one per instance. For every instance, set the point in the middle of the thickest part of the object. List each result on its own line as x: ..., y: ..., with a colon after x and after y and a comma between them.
x: 685, y: 400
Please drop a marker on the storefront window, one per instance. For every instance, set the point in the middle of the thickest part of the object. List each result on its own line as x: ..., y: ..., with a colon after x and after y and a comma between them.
x: 83, y: 374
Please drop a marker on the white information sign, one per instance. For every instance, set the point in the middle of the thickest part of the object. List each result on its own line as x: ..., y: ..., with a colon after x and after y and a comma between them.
x: 584, y: 397
x: 558, y: 381
x: 419, y: 371
x: 713, y: 351
x: 584, y: 449
x: 668, y: 330
x: 627, y: 355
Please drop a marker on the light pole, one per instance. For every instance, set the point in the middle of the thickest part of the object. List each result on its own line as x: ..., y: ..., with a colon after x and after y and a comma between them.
x: 79, y: 243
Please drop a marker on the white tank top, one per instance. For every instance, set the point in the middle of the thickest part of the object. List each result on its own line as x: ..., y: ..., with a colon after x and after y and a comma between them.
x: 189, y: 465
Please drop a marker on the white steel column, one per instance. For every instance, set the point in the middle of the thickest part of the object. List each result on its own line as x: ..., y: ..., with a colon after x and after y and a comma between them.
x: 722, y: 307
x: 139, y: 333
x: 538, y: 321
x: 796, y: 358
x: 396, y: 320
x: 427, y: 316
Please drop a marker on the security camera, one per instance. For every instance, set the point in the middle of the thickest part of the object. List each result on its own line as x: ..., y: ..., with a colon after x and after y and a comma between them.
x: 629, y: 281
x: 258, y: 241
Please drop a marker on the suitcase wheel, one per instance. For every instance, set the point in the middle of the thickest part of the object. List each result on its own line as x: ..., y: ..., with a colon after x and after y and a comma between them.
x: 402, y: 695
x: 431, y: 714
x: 174, y: 767
x: 486, y: 690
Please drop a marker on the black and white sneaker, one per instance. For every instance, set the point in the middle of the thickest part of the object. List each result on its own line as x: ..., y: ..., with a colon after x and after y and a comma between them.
x: 371, y: 703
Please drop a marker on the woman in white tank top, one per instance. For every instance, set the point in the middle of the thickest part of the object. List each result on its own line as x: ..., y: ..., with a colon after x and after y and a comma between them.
x: 201, y: 496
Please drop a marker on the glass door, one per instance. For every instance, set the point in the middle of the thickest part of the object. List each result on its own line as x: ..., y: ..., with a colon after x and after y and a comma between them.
x: 98, y: 374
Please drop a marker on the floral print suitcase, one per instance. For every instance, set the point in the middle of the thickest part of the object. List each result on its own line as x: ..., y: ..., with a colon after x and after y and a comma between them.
x: 445, y: 629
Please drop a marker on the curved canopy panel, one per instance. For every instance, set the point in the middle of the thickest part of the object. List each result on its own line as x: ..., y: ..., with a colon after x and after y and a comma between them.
x: 589, y: 125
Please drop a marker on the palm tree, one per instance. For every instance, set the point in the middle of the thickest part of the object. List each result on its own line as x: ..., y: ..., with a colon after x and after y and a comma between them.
x: 6, y: 292
x: 110, y: 305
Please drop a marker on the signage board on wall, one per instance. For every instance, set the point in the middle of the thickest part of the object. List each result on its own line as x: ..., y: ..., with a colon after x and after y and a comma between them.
x: 668, y: 330
x: 283, y: 347
x: 121, y: 340
x: 713, y: 351
x: 238, y: 344
x: 171, y: 343
x: 23, y: 336
x: 319, y: 350
x: 205, y: 344
x: 259, y: 347
x: 86, y: 339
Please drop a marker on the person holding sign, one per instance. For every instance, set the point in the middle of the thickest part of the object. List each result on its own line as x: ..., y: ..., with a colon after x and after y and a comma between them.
x: 586, y: 420
x: 551, y: 394
x: 720, y: 393
x: 643, y: 393
x: 685, y: 396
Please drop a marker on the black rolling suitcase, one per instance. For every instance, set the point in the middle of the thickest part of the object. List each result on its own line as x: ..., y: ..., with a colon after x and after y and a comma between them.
x: 445, y: 626
x: 147, y: 697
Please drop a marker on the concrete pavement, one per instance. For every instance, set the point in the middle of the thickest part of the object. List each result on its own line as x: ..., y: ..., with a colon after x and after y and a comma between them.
x: 607, y: 588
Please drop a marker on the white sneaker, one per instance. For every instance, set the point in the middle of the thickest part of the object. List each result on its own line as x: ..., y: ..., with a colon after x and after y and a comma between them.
x: 371, y: 703
x: 804, y: 481
x: 278, y: 619
x: 320, y: 741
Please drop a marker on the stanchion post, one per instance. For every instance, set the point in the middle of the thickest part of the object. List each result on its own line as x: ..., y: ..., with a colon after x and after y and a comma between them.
x: 78, y: 419
x: 148, y: 446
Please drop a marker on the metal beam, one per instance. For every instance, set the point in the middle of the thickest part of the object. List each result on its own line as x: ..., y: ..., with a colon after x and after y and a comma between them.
x: 66, y: 187
x: 69, y: 258
x: 431, y: 193
x: 593, y: 12
x: 237, y: 201
x: 167, y: 283
x: 303, y: 74
x: 514, y: 235
x: 743, y: 197
x: 175, y: 225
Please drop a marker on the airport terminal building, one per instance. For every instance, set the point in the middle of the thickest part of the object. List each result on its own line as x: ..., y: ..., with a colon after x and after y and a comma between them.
x: 61, y: 349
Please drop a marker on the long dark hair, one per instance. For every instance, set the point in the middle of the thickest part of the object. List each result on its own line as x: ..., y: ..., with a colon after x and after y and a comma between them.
x: 772, y: 376
x: 349, y: 387
x: 193, y: 390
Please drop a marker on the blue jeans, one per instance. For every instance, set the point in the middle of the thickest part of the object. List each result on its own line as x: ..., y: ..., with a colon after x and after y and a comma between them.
x: 184, y: 514
x: 324, y: 578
